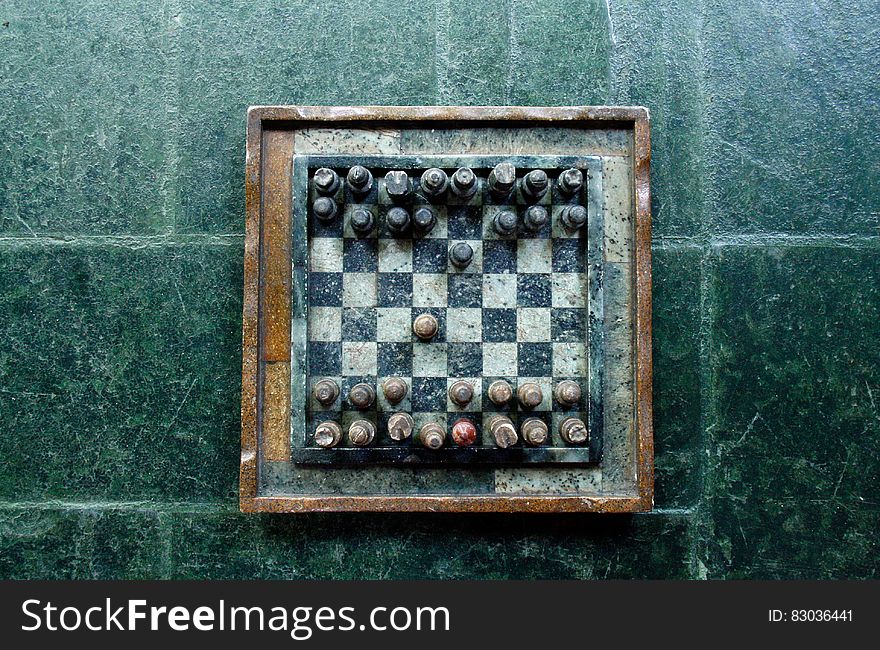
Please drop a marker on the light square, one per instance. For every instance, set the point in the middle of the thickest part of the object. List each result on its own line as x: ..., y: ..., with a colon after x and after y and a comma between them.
x: 534, y: 255
x: 325, y: 255
x: 359, y: 358
x: 325, y: 323
x: 429, y: 289
x: 533, y: 324
x: 569, y: 289
x: 395, y: 256
x: 499, y: 290
x: 570, y: 360
x: 429, y: 359
x: 358, y: 289
x: 464, y: 324
x: 499, y: 359
x: 393, y: 324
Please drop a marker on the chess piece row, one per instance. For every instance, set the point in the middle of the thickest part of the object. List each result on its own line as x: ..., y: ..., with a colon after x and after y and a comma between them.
x: 534, y: 431
x: 461, y: 393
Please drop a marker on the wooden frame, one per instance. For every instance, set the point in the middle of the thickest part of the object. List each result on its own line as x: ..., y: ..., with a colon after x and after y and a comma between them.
x: 266, y: 363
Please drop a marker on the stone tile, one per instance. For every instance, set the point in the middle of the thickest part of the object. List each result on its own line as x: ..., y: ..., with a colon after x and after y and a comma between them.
x: 794, y: 116
x: 83, y: 112
x: 677, y: 390
x: 795, y: 445
x: 400, y: 546
x: 121, y: 372
x: 233, y: 55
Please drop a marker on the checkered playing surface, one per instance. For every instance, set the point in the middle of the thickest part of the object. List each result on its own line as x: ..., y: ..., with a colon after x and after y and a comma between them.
x: 518, y: 311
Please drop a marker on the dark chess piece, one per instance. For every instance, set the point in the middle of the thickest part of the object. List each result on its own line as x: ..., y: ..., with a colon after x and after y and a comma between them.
x: 461, y: 255
x: 362, y: 221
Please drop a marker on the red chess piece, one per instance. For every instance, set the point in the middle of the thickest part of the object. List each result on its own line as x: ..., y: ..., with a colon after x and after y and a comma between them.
x: 464, y: 432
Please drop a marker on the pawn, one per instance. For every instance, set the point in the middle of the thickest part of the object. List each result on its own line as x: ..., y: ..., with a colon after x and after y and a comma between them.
x: 502, y: 179
x: 464, y: 182
x: 362, y: 396
x: 574, y: 217
x: 535, y: 218
x: 504, y: 223
x: 568, y: 393
x: 570, y: 181
x: 424, y: 219
x: 362, y: 221
x: 394, y: 389
x: 326, y: 181
x: 529, y: 395
x: 359, y: 179
x: 500, y: 392
x: 434, y: 182
x: 461, y: 393
x: 326, y: 391
x: 461, y: 255
x: 397, y: 220
x: 325, y: 209
x: 535, y: 184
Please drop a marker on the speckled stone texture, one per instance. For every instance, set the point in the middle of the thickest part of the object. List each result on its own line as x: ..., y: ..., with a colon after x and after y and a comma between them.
x: 121, y: 217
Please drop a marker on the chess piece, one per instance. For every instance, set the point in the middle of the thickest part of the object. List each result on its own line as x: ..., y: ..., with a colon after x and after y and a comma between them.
x: 574, y: 431
x: 361, y: 433
x: 570, y: 181
x: 395, y: 389
x: 568, y: 393
x: 461, y: 255
x: 502, y: 179
x: 324, y: 209
x: 328, y: 434
x: 573, y: 216
x: 534, y: 431
x: 424, y: 219
x: 464, y: 182
x: 362, y: 396
x: 434, y: 182
x: 535, y: 218
x: 400, y: 426
x: 432, y: 435
x: 529, y: 395
x: 397, y: 220
x: 502, y: 430
x: 397, y: 185
x: 500, y: 392
x: 425, y: 326
x: 326, y: 391
x: 461, y: 393
x: 362, y: 221
x: 535, y: 184
x: 464, y: 433
x: 359, y: 179
x: 326, y: 181
x: 505, y: 222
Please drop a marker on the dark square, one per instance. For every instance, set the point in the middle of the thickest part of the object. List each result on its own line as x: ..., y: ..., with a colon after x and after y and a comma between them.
x: 464, y: 290
x: 499, y: 325
x: 359, y: 324
x: 440, y: 314
x: 361, y: 255
x: 370, y: 198
x: 569, y: 255
x: 395, y: 359
x: 464, y: 222
x: 533, y: 290
x: 428, y: 394
x: 325, y: 358
x: 499, y: 256
x: 568, y: 325
x: 464, y: 359
x: 395, y: 289
x: 535, y: 359
x: 429, y: 255
x: 325, y: 289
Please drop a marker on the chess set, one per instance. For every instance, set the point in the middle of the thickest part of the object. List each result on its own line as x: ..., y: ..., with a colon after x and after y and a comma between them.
x: 447, y: 309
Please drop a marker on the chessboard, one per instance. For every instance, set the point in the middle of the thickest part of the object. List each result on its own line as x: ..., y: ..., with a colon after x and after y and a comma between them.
x: 503, y: 264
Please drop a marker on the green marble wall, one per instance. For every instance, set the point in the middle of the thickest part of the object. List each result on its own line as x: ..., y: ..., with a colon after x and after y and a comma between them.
x: 121, y: 233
